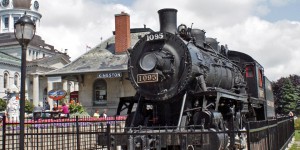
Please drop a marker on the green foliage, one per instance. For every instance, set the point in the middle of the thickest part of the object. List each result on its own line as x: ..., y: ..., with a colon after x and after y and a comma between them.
x: 290, y: 96
x: 83, y: 114
x: 287, y: 94
x: 3, y: 104
x: 76, y: 108
x: 28, y: 106
x: 297, y: 124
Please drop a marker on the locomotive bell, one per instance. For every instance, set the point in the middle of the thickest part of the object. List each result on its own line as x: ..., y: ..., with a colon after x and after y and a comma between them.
x: 168, y: 20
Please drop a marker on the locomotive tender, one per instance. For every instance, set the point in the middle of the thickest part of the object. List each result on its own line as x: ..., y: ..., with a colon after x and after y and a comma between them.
x: 183, y: 78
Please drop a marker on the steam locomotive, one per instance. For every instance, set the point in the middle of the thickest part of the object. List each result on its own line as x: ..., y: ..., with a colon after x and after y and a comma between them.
x: 184, y: 78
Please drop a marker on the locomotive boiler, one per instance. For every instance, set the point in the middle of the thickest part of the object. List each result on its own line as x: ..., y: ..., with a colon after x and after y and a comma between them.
x: 184, y: 78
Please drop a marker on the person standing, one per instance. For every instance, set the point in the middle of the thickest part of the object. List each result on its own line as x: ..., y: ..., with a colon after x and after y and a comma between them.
x: 65, y: 110
x: 37, y: 112
x: 104, y: 113
x: 96, y: 114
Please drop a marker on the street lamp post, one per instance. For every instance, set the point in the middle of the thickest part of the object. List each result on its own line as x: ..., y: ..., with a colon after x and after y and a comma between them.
x: 24, y: 30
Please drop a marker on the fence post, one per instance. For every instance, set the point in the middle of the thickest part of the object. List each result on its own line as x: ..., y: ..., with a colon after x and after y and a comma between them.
x: 115, y: 123
x: 4, y: 132
x: 278, y: 134
x: 77, y: 133
x: 268, y: 134
x: 248, y: 135
x: 108, y: 137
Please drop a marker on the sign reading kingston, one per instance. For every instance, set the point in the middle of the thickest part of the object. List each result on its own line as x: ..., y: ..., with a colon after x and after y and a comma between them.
x: 110, y: 75
x: 57, y: 94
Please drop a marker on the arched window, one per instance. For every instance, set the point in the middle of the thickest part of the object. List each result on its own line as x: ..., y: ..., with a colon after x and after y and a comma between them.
x: 16, y: 80
x: 5, y: 80
x: 100, y: 92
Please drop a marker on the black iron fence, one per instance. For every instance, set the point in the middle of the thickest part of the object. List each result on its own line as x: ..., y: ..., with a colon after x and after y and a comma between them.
x: 99, y: 133
x: 59, y: 134
x: 270, y: 134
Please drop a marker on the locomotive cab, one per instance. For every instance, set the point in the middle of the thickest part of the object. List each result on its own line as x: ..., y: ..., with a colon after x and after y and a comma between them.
x: 254, y: 77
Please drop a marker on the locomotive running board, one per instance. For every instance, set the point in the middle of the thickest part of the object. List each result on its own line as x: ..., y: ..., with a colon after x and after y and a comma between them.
x: 221, y: 93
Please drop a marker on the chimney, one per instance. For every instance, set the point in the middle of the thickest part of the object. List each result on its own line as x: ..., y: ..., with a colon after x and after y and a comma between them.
x: 122, y: 33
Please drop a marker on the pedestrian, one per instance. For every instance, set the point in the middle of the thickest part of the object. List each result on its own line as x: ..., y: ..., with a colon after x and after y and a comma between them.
x: 65, y: 111
x: 104, y: 113
x: 96, y: 114
x: 47, y: 106
x: 37, y: 112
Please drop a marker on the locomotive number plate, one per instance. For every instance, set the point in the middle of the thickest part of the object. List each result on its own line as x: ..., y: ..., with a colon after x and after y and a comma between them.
x: 149, y: 77
x: 155, y: 36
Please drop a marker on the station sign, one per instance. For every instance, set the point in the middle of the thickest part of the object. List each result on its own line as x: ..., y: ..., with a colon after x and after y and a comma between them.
x: 110, y: 75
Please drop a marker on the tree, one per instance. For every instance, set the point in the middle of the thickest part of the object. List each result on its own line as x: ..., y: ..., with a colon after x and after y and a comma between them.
x: 277, y: 91
x: 287, y: 94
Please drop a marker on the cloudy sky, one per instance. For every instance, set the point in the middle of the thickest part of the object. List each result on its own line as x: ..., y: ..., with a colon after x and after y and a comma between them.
x: 268, y: 30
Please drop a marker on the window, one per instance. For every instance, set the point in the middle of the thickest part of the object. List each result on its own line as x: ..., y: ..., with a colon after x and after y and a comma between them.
x: 16, y: 80
x: 57, y: 85
x: 6, y: 22
x: 100, y: 93
x: 260, y: 78
x: 5, y: 80
x: 16, y: 18
x: 249, y: 71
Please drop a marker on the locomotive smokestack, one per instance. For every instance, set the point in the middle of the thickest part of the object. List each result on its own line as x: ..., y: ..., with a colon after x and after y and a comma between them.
x: 168, y: 20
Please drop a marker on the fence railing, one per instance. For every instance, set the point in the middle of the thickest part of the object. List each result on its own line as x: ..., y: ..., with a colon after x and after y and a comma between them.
x: 99, y: 133
x: 59, y: 134
x: 270, y: 134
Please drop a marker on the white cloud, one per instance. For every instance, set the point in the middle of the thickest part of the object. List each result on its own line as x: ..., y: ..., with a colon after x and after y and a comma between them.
x: 273, y: 45
x: 73, y: 24
x: 262, y: 10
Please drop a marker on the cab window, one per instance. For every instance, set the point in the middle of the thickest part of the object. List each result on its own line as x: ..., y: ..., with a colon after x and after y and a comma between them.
x: 260, y: 78
x: 249, y: 71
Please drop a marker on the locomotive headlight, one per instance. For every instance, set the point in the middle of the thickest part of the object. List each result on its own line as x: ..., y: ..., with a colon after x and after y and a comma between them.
x: 148, y: 62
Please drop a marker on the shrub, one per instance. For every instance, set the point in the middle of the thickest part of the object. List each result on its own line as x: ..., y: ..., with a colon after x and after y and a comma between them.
x: 76, y: 108
x: 3, y: 104
x: 28, y: 106
x: 297, y: 123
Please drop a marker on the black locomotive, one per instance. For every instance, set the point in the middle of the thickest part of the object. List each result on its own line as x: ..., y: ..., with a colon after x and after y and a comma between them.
x: 183, y: 78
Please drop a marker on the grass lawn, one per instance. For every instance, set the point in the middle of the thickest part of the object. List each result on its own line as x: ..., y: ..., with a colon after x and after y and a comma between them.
x: 296, y: 145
